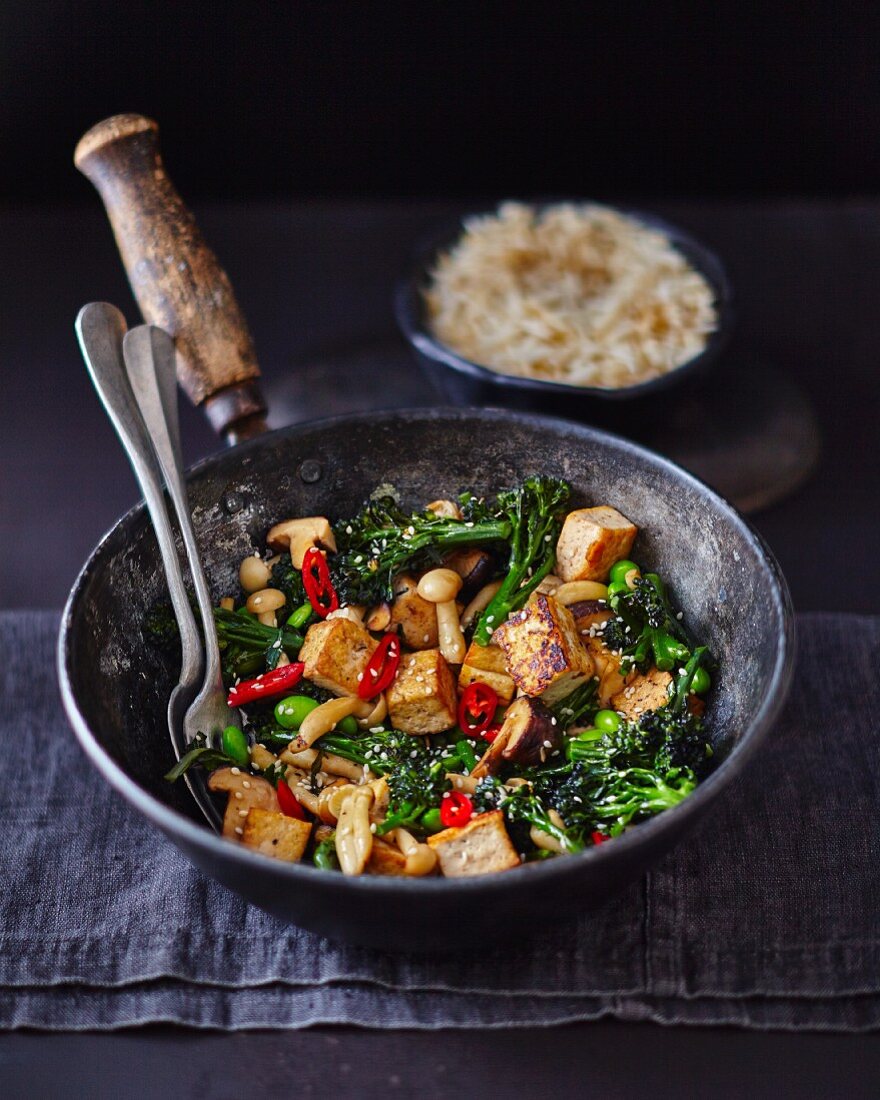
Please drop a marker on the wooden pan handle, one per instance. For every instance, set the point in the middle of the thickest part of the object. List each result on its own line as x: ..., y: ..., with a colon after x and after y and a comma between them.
x: 176, y: 279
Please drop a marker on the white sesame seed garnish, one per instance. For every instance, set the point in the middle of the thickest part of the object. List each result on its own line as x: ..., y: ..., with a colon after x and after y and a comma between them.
x: 680, y: 616
x: 243, y: 813
x: 372, y: 826
x: 548, y: 744
x: 236, y: 771
x: 238, y: 794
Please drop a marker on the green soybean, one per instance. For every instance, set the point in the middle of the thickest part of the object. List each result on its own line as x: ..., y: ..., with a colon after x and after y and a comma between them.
x: 617, y: 588
x: 607, y: 720
x: 235, y: 745
x: 620, y: 569
x: 291, y: 711
x: 701, y: 682
x: 348, y: 725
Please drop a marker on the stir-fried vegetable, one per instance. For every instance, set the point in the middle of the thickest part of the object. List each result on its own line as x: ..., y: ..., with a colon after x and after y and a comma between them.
x: 535, y: 514
x: 454, y: 774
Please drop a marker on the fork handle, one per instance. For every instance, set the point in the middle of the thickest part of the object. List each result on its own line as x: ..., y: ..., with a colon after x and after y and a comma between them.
x: 101, y: 328
x: 176, y: 278
x: 149, y: 362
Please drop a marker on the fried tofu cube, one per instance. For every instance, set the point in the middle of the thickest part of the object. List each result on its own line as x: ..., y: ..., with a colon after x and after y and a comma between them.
x: 335, y: 652
x: 276, y: 835
x: 485, y: 664
x: 422, y: 699
x: 644, y: 692
x: 385, y: 859
x: 591, y: 541
x: 479, y: 848
x: 543, y: 651
x: 415, y: 617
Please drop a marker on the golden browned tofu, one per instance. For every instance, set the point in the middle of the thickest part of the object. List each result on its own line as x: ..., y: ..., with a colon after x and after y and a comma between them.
x: 385, y: 859
x: 485, y: 664
x: 335, y: 652
x: 592, y: 540
x: 479, y: 848
x: 422, y: 698
x: 276, y: 835
x: 645, y: 691
x: 543, y: 651
x: 415, y: 617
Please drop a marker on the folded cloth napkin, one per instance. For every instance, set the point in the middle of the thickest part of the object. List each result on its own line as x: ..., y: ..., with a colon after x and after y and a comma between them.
x: 769, y: 917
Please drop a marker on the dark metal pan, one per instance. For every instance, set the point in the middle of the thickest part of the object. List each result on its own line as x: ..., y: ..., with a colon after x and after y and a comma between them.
x: 115, y: 684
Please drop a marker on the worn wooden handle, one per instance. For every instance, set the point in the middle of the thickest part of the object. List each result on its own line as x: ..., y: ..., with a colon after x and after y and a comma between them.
x: 176, y: 279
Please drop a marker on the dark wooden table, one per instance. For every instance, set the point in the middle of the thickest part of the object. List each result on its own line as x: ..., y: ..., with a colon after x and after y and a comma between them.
x: 315, y: 282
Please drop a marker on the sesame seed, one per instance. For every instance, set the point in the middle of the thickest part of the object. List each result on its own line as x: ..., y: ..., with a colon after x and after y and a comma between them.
x: 548, y: 744
x: 238, y: 794
x: 236, y: 771
x: 348, y: 530
x: 239, y: 830
x: 680, y: 616
x: 246, y: 784
x: 426, y: 637
x: 243, y: 813
x: 372, y: 826
x: 360, y: 676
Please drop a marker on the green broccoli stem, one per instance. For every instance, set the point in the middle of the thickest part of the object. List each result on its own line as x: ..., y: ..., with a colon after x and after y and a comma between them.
x: 685, y: 678
x: 251, y: 634
x: 515, y: 590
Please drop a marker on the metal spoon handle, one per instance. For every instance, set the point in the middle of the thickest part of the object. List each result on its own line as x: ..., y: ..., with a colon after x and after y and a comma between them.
x: 150, y: 362
x: 101, y: 330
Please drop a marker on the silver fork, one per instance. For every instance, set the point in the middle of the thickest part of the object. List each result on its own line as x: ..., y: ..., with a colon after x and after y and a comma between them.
x: 150, y: 364
x: 101, y: 330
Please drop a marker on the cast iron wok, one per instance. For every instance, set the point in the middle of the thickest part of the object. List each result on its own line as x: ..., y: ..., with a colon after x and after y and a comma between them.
x: 115, y: 685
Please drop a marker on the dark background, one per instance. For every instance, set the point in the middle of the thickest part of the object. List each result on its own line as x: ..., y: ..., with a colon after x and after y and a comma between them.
x: 396, y: 100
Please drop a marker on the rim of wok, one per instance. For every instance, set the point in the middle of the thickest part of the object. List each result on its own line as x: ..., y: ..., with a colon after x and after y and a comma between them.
x: 202, y: 837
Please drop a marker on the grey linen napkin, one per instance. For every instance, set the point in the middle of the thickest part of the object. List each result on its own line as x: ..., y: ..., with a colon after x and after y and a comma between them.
x: 767, y: 918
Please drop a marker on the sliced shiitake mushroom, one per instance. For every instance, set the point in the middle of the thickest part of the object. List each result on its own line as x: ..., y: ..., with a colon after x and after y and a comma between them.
x: 532, y: 732
x: 474, y: 566
x: 587, y: 613
x: 378, y: 617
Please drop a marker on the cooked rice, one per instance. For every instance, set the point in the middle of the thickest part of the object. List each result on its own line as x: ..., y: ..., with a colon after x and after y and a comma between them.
x: 575, y: 294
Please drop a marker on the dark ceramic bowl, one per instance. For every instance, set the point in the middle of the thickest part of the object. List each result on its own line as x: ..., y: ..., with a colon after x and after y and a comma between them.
x: 115, y: 686
x: 464, y: 382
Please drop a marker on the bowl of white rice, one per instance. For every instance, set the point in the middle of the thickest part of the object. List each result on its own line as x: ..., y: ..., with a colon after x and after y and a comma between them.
x: 557, y: 305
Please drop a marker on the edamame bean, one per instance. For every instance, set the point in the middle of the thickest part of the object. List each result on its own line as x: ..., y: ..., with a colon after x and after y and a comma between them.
x: 291, y: 711
x: 348, y: 725
x: 617, y: 588
x: 607, y: 720
x: 701, y: 682
x: 620, y: 569
x: 235, y: 745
